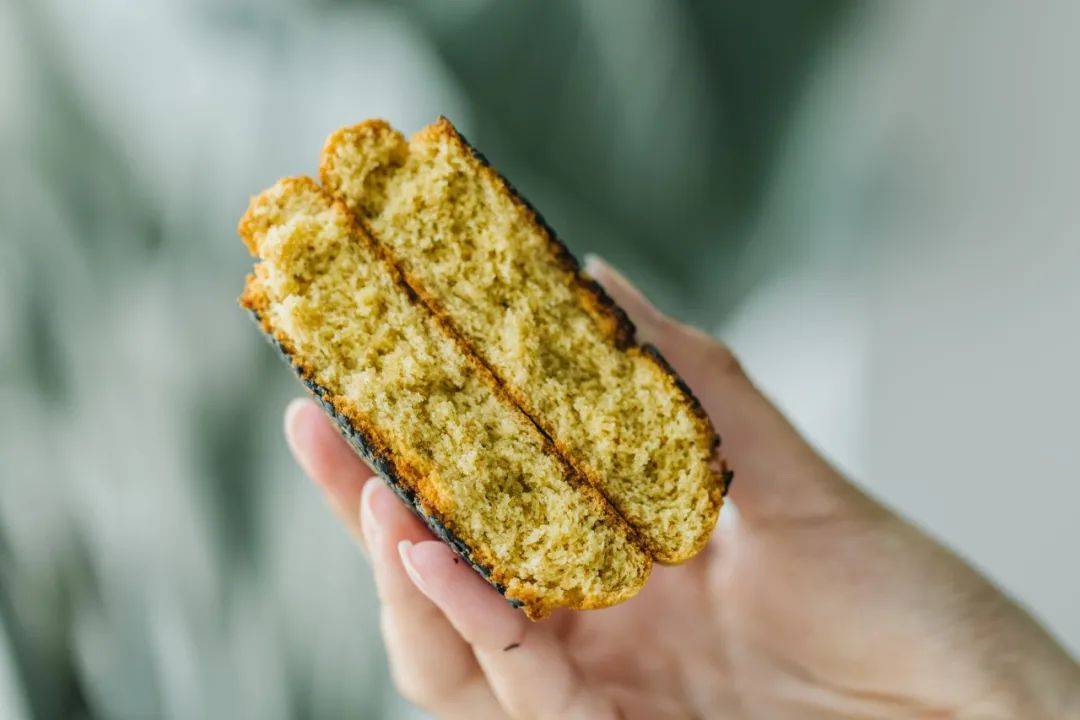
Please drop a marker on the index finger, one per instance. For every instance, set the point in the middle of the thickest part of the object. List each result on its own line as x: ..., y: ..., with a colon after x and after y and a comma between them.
x: 328, y: 460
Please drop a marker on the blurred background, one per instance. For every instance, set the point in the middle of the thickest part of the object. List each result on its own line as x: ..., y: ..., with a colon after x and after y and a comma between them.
x: 876, y: 205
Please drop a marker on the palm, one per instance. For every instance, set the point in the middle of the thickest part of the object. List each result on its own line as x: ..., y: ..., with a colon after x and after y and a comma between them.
x: 758, y: 627
x: 806, y: 616
x: 674, y: 665
x: 728, y: 645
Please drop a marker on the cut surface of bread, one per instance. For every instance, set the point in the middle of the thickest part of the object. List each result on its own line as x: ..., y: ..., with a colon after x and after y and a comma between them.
x: 484, y: 260
x: 430, y: 416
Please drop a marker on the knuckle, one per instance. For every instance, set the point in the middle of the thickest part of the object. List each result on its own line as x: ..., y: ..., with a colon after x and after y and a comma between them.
x: 722, y: 360
x: 714, y: 356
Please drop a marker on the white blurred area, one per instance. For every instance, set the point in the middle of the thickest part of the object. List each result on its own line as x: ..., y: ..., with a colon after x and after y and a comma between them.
x: 919, y: 320
x: 926, y: 331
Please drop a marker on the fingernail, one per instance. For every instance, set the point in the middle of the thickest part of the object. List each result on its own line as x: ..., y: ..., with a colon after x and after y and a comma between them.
x: 289, y: 419
x: 729, y: 517
x: 294, y: 407
x: 404, y: 549
x: 369, y: 525
x: 593, y: 262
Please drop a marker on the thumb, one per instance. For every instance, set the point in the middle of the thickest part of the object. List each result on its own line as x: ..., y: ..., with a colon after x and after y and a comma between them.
x: 778, y: 474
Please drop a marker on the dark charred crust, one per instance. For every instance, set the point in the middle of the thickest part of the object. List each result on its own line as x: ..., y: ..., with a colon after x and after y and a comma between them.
x: 379, y: 461
x: 623, y: 329
x: 650, y: 350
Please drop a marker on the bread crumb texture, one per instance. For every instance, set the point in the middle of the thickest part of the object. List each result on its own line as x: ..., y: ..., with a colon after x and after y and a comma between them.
x: 481, y: 258
x: 326, y: 292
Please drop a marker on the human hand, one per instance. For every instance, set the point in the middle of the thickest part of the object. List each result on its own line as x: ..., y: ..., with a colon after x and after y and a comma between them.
x: 811, y: 601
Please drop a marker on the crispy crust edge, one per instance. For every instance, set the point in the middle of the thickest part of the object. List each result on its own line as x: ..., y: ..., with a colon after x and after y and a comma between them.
x: 406, y: 481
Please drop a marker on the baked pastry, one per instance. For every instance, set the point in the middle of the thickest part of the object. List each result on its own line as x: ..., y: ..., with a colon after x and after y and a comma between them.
x: 495, y: 387
x: 481, y: 257
x: 425, y: 414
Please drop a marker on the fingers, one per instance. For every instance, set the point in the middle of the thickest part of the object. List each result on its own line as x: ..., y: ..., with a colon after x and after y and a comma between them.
x: 782, y: 474
x: 327, y: 459
x: 525, y: 663
x: 430, y: 663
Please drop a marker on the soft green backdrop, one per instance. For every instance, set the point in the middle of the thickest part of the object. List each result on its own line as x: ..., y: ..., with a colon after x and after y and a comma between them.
x: 875, y: 204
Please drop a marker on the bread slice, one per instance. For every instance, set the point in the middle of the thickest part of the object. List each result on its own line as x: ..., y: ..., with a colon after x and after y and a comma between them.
x: 427, y: 415
x: 478, y: 255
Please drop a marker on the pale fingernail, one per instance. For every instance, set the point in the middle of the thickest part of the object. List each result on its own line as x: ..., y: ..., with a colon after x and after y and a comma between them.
x: 289, y: 423
x: 404, y: 549
x: 593, y: 262
x: 292, y: 408
x: 369, y: 525
x: 729, y: 517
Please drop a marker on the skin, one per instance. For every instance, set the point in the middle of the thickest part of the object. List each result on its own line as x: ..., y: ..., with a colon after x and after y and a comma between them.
x: 811, y: 601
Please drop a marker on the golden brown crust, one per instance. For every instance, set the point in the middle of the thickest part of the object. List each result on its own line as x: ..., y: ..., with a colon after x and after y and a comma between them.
x: 611, y: 317
x: 373, y: 127
x: 396, y: 468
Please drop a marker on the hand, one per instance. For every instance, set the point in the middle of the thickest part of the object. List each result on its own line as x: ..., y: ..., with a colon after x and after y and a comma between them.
x: 811, y: 601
